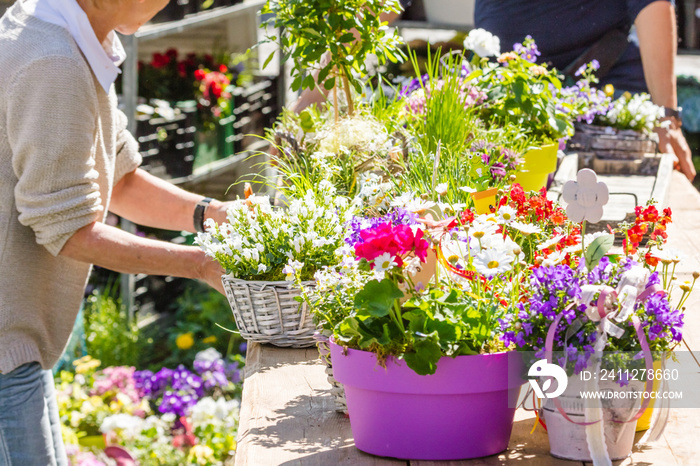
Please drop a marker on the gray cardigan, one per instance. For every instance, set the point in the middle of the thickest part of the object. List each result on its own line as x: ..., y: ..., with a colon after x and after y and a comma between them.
x: 63, y: 146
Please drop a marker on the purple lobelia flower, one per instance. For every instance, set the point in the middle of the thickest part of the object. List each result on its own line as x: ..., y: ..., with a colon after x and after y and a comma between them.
x: 527, y: 50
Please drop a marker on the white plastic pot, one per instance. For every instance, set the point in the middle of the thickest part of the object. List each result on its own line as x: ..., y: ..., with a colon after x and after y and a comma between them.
x: 568, y: 440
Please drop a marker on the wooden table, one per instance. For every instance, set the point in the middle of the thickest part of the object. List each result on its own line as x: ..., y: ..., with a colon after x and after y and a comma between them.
x: 288, y: 417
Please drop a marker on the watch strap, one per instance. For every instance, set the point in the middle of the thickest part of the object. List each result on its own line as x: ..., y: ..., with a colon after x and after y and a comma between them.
x: 673, y: 112
x: 199, y: 210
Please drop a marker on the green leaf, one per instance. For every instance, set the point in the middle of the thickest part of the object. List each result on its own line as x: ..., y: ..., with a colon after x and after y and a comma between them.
x: 268, y: 60
x: 597, y: 249
x: 306, y: 121
x: 329, y: 83
x: 347, y: 37
x: 518, y: 89
x: 377, y: 298
x: 426, y: 353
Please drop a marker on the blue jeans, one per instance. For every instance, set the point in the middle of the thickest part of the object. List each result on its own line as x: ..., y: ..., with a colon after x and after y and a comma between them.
x: 30, y: 429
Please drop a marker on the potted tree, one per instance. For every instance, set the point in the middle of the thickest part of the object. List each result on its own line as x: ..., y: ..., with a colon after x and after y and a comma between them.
x: 334, y: 39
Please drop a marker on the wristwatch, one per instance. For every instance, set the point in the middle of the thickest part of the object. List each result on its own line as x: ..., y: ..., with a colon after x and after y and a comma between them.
x: 674, y: 115
x: 198, y: 217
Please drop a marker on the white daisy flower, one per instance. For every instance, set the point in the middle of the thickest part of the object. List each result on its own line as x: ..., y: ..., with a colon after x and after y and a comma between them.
x: 384, y: 262
x: 506, y: 214
x: 551, y: 242
x: 479, y: 229
x: 490, y: 262
x: 441, y: 189
x: 554, y: 258
x: 526, y: 229
x: 667, y: 255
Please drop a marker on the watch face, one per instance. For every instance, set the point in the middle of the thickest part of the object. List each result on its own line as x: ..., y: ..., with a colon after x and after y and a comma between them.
x: 671, y: 112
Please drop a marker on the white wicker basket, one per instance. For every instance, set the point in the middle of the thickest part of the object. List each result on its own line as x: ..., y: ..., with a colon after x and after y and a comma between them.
x: 337, y: 389
x: 266, y: 312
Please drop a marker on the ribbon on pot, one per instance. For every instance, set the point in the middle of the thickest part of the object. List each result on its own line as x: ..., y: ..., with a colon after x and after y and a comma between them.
x: 599, y: 313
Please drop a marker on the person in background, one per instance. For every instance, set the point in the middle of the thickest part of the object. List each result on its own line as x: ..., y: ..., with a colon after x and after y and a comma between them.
x: 569, y: 34
x: 66, y: 159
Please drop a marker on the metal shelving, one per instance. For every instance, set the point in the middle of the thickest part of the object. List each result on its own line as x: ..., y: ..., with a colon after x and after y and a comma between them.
x: 235, y: 25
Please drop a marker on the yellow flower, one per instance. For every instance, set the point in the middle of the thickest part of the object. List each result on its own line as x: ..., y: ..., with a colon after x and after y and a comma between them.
x: 609, y: 90
x: 86, y: 364
x: 185, y: 341
x: 208, y: 340
x: 200, y: 454
x: 627, y: 95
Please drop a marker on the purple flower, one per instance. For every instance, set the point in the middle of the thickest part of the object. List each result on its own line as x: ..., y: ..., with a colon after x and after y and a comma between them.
x: 413, y: 85
x: 528, y: 50
x: 397, y: 216
x: 654, y: 279
x: 581, y: 69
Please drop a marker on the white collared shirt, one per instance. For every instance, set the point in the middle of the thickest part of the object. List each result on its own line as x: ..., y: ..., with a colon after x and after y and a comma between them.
x: 104, y: 59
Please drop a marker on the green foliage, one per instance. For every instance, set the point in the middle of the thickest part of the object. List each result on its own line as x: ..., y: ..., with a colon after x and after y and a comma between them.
x: 523, y: 93
x: 350, y: 30
x: 597, y: 249
x: 449, y: 120
x: 440, y: 322
x: 205, y: 315
x: 110, y: 335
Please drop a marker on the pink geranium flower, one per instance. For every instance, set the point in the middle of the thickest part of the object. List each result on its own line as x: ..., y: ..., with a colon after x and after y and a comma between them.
x: 397, y: 240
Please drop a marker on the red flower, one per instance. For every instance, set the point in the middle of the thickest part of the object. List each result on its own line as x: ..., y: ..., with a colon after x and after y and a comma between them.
x: 184, y: 437
x: 660, y: 231
x: 199, y: 74
x: 420, y: 245
x: 216, y: 89
x: 517, y: 194
x: 636, y: 234
x: 159, y: 60
x: 558, y: 217
x: 223, y: 68
x: 651, y: 260
x: 172, y: 53
x: 467, y: 216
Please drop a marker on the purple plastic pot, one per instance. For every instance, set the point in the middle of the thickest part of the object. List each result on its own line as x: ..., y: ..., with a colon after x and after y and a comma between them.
x: 464, y: 410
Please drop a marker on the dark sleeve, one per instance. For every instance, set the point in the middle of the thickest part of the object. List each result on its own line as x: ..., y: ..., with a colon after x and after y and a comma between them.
x: 635, y: 6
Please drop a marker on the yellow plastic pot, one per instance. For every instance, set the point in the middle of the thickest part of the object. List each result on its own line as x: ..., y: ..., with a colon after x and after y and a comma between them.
x: 542, y: 159
x: 483, y: 200
x: 644, y: 422
x: 531, y: 180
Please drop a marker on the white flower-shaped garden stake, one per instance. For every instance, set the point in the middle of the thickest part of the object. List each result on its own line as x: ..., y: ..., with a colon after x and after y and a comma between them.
x: 585, y: 197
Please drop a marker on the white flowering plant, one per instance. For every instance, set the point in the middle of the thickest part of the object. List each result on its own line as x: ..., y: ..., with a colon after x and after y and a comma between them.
x: 312, y: 147
x: 262, y: 242
x: 635, y: 112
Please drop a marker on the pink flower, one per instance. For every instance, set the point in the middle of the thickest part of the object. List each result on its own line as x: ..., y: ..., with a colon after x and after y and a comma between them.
x: 397, y: 240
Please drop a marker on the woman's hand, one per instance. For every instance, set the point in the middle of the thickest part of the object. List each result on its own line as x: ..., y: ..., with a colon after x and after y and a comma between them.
x: 672, y: 141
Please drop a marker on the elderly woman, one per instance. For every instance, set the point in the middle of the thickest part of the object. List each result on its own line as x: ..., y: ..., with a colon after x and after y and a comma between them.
x: 65, y: 160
